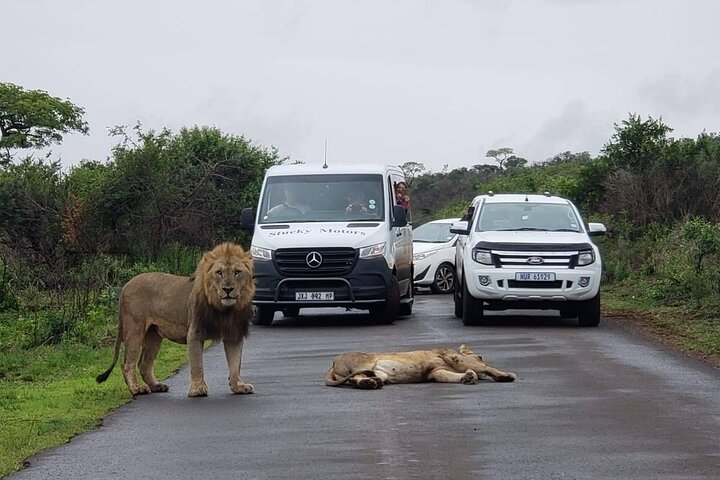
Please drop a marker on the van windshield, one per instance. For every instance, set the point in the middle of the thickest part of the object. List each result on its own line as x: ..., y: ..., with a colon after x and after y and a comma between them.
x: 553, y: 217
x: 322, y: 198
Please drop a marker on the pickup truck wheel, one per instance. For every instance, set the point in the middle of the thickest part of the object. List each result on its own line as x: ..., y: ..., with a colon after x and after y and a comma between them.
x: 472, y: 308
x: 589, y: 312
x: 444, y: 279
x: 387, y: 313
x: 263, y: 316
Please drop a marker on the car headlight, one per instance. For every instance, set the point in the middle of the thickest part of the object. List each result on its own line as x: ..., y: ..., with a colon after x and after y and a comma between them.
x: 259, y: 253
x: 372, y: 250
x: 420, y: 256
x: 482, y: 256
x: 586, y: 257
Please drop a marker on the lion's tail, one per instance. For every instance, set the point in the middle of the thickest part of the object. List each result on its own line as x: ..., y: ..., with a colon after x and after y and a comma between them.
x: 118, y: 341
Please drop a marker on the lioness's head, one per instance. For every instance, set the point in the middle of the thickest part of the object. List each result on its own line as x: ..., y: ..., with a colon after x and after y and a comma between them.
x: 465, y: 350
x: 226, y: 273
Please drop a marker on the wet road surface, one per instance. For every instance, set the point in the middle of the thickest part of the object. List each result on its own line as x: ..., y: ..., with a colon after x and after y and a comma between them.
x: 589, y: 403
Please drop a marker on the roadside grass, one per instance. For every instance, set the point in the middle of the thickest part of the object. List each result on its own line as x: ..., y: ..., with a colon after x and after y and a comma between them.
x: 49, y: 394
x: 694, y: 329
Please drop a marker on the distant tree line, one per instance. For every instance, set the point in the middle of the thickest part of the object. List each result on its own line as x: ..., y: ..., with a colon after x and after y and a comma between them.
x: 642, y: 177
x: 163, y: 191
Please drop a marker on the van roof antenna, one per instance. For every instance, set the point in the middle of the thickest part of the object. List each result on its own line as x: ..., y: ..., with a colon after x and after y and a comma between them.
x: 325, y: 165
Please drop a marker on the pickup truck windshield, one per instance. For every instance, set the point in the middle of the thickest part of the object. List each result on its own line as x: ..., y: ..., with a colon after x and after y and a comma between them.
x: 323, y: 198
x: 552, y: 217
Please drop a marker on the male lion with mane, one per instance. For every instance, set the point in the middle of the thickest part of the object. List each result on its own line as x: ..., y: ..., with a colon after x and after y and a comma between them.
x: 215, y: 303
x: 445, y: 365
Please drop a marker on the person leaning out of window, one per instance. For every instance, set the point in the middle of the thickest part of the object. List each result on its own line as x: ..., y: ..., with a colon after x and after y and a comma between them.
x: 401, y: 197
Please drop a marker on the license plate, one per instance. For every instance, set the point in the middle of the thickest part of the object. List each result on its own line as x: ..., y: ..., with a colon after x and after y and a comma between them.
x: 314, y: 296
x: 535, y: 276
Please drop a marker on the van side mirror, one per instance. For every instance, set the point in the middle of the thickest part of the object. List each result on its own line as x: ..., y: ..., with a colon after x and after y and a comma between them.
x: 247, y: 219
x: 460, y: 228
x: 399, y: 216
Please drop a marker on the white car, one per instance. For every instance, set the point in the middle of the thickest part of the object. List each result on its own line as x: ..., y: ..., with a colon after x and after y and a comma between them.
x: 531, y: 251
x: 434, y: 255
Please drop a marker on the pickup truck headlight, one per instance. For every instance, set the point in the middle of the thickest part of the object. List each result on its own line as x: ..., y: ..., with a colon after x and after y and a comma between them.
x: 586, y: 257
x: 420, y: 256
x: 259, y: 253
x: 372, y: 250
x: 482, y: 256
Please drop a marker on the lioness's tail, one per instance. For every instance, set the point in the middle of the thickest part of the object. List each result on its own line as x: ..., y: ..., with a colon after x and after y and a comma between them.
x: 331, y: 381
x: 118, y: 340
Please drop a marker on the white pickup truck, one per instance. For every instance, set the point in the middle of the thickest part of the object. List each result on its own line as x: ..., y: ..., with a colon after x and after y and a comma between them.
x: 526, y: 251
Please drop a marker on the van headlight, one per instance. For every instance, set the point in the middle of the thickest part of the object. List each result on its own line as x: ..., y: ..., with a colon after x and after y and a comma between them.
x: 482, y: 256
x: 420, y: 256
x: 259, y: 253
x: 586, y: 257
x: 372, y: 251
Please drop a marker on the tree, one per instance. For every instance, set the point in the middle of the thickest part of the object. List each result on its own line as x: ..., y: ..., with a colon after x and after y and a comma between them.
x: 411, y: 171
x: 506, y: 158
x: 34, y: 119
x: 637, y: 144
x: 569, y: 157
x: 160, y: 188
x: 513, y: 162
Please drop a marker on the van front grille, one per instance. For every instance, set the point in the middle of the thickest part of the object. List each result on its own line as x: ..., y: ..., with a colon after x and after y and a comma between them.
x: 335, y: 262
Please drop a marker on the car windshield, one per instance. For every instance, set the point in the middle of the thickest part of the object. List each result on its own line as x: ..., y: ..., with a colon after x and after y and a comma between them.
x: 323, y: 198
x: 432, y: 233
x: 552, y: 217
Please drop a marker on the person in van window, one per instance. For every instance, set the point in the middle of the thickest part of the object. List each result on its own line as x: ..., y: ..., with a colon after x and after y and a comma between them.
x: 401, y: 197
x: 293, y: 202
x: 356, y: 203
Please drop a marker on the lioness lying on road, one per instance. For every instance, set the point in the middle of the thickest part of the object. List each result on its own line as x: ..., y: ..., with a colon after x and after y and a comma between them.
x: 446, y: 365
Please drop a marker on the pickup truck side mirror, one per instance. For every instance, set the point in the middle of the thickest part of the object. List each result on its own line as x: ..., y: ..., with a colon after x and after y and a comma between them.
x: 247, y: 219
x: 399, y: 216
x: 460, y: 228
x: 596, y: 229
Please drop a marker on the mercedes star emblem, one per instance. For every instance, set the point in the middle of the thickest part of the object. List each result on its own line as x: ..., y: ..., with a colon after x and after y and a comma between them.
x: 313, y: 259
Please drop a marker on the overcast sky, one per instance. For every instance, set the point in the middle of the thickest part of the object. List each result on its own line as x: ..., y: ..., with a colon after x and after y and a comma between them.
x: 438, y: 82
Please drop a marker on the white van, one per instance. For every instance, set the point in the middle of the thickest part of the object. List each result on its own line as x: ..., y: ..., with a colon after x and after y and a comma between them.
x: 331, y: 236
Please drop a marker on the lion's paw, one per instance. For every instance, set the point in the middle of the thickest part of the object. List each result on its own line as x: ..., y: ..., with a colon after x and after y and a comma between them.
x: 140, y: 391
x: 198, y: 390
x: 159, y: 387
x: 470, y: 378
x: 507, y: 377
x: 370, y: 383
x: 242, y: 388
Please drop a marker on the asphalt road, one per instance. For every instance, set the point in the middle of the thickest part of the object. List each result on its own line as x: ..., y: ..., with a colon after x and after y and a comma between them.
x: 589, y: 403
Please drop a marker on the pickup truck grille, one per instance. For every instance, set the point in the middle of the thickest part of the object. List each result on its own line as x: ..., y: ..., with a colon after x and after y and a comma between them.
x: 534, y: 256
x: 336, y: 262
x: 539, y: 260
